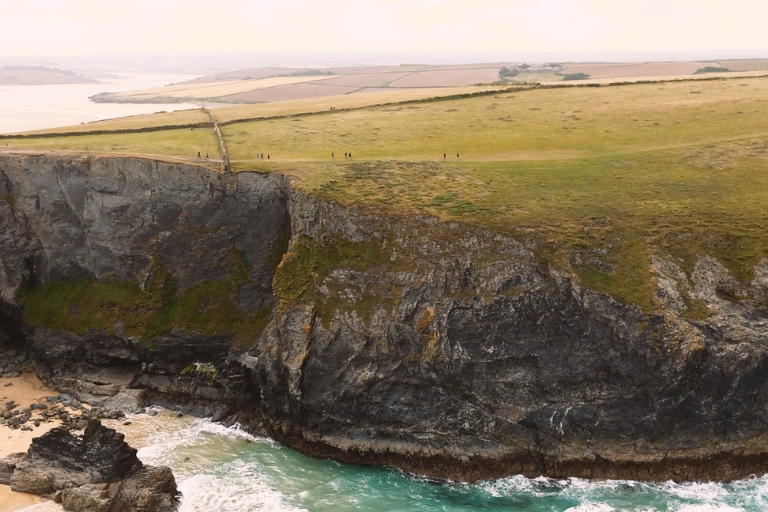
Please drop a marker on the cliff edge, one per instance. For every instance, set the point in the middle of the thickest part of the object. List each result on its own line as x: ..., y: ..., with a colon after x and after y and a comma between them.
x: 364, y: 336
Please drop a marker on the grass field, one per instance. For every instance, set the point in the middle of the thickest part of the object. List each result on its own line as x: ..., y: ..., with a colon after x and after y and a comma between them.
x: 178, y: 143
x: 181, y: 117
x: 598, y: 179
x: 538, y: 124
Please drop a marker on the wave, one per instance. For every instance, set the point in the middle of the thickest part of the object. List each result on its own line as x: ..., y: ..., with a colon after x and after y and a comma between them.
x: 226, y: 469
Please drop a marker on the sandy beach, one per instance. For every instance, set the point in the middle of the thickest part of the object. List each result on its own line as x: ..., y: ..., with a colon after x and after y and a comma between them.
x: 25, y: 391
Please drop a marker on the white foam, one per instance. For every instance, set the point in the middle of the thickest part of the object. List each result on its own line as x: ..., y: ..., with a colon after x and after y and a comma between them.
x: 591, y: 507
x: 707, y: 491
x: 204, y: 493
x: 709, y: 508
x: 201, y: 454
x: 162, y: 444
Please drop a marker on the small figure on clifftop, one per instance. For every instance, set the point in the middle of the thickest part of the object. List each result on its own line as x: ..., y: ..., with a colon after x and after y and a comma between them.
x: 457, y: 155
x: 267, y: 156
x: 198, y: 155
x: 331, y: 154
x: 443, y: 156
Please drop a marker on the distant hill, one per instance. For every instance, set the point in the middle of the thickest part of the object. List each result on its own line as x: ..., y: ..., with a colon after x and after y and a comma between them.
x: 39, y: 75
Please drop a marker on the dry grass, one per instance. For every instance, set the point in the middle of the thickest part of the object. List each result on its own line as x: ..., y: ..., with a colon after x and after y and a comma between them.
x: 745, y: 64
x: 205, y: 91
x: 289, y: 92
x: 349, y: 101
x: 449, y: 77
x: 635, y: 70
x: 181, y: 117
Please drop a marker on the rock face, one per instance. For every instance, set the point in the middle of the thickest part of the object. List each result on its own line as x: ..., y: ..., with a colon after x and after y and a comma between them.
x: 95, y: 472
x: 457, y: 355
x: 441, y: 348
x: 170, y: 227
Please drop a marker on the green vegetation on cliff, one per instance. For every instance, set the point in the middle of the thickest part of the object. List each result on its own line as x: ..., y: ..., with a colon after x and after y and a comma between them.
x: 597, y: 179
x: 209, y: 308
x: 310, y: 263
x: 80, y: 306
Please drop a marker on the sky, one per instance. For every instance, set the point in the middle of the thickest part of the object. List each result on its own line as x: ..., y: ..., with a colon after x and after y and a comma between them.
x: 73, y: 27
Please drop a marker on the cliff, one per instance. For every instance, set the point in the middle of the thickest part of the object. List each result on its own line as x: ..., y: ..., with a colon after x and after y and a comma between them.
x: 140, y: 274
x: 441, y: 348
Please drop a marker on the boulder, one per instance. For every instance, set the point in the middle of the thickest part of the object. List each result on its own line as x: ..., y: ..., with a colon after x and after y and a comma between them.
x: 95, y: 472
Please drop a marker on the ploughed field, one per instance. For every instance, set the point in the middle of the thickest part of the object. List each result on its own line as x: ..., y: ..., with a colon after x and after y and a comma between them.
x: 596, y: 179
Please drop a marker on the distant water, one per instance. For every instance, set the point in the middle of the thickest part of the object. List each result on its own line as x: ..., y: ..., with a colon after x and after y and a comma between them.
x: 226, y: 470
x: 35, y: 107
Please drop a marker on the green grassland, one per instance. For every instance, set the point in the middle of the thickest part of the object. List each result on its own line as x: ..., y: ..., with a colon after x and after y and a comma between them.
x: 178, y: 143
x: 596, y: 179
x: 561, y: 123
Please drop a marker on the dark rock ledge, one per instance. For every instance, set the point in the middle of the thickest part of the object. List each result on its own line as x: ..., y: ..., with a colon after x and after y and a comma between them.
x: 95, y: 472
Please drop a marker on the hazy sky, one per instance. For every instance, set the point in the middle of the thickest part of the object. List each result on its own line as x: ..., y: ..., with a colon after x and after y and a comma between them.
x: 66, y: 27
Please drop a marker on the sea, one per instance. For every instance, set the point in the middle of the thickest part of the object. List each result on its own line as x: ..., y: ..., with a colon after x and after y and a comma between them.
x: 225, y: 469
x: 36, y: 107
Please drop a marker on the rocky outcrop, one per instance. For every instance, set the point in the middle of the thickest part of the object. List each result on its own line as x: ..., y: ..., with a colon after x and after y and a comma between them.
x: 95, y: 472
x: 441, y: 348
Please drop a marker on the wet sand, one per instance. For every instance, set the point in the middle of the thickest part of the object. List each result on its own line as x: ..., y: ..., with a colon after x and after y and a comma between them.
x: 11, y: 501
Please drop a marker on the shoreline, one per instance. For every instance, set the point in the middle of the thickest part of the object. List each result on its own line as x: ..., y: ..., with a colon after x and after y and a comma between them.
x: 25, y: 390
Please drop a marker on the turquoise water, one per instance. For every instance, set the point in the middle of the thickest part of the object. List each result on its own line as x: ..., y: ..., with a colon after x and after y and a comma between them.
x: 222, y: 469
